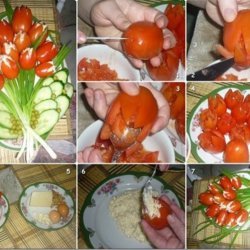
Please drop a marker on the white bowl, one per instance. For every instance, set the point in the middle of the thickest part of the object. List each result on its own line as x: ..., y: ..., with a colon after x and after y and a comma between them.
x: 115, y: 60
x: 156, y: 142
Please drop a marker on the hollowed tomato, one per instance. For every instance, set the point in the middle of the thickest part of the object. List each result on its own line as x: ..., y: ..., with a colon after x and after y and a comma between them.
x: 208, y: 119
x: 144, y: 40
x: 217, y: 104
x: 225, y: 123
x: 233, y: 98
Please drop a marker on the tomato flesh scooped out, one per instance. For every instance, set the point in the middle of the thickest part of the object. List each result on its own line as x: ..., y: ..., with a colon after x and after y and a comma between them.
x: 236, y: 39
x: 160, y: 221
x: 144, y: 40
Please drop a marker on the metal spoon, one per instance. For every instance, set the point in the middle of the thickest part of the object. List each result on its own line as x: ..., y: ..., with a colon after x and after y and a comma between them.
x: 148, y: 185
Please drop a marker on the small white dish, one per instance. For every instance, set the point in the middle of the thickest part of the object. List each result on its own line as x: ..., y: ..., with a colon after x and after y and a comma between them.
x: 156, y: 142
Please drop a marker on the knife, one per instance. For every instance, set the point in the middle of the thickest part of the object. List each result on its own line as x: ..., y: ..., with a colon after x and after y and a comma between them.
x: 210, y: 73
x: 105, y: 38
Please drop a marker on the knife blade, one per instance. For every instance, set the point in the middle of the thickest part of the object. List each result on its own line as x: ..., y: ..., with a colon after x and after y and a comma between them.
x: 210, y: 73
x: 105, y: 38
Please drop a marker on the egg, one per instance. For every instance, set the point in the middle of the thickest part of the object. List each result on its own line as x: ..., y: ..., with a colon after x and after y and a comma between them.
x: 54, y: 216
x: 63, y: 209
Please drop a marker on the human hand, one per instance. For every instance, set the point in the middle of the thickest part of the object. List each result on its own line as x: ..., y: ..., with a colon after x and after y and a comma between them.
x: 90, y: 154
x: 225, y: 10
x: 172, y: 236
x: 125, y: 12
x: 81, y: 37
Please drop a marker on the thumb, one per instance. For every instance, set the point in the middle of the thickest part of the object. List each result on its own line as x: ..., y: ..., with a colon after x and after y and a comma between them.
x: 228, y: 9
x: 129, y: 88
x: 177, y: 226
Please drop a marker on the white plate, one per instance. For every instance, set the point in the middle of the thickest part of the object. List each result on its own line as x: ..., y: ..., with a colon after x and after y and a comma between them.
x: 99, y: 228
x: 194, y: 129
x: 156, y: 142
x: 28, y: 212
x: 4, y: 210
x: 115, y: 60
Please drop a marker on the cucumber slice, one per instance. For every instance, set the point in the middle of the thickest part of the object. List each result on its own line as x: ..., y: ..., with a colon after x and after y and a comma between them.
x: 43, y: 94
x: 3, y: 107
x: 5, y: 119
x: 47, y: 81
x: 61, y: 75
x: 6, y: 134
x: 47, y: 121
x: 63, y: 104
x: 45, y: 105
x: 69, y: 90
x: 57, y: 88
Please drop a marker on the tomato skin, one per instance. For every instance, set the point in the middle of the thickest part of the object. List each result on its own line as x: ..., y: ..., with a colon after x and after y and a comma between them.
x: 27, y: 59
x: 21, y: 40
x: 139, y: 43
x: 225, y: 183
x: 6, y: 34
x: 212, y: 210
x: 159, y: 222
x: 233, y: 206
x: 236, y: 152
x: 22, y: 19
x: 241, y: 132
x: 167, y: 71
x: 36, y: 31
x: 46, y: 52
x: 45, y: 69
x: 10, y: 49
x: 212, y: 142
x: 225, y: 123
x: 8, y: 67
x: 220, y: 220
x: 217, y: 104
x: 236, y: 182
x: 180, y: 126
x: 208, y: 120
x: 232, y: 98
x: 213, y: 189
x: 229, y: 194
x: 1, y: 83
x: 206, y: 198
x: 218, y: 198
x: 242, y: 217
x: 240, y: 112
x: 230, y: 220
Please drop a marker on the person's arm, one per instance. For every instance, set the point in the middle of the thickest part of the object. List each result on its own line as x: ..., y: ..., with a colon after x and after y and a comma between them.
x: 84, y: 10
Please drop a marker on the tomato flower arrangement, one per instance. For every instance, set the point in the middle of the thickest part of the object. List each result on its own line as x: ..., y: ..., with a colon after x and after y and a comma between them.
x: 129, y: 121
x: 34, y: 88
x: 226, y: 205
x: 236, y: 40
x: 226, y: 117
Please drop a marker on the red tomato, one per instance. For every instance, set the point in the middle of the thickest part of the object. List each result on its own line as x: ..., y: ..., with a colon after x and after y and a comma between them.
x: 139, y: 43
x: 9, y: 67
x: 213, y: 189
x: 218, y: 198
x: 225, y: 123
x: 180, y: 126
x: 6, y: 34
x: 240, y: 112
x: 225, y: 183
x: 167, y: 71
x: 236, y: 152
x: 230, y: 220
x: 22, y: 19
x: 232, y: 98
x: 27, y: 59
x: 213, y: 210
x: 22, y: 41
x: 229, y: 194
x: 241, y: 131
x: 233, y: 206
x: 241, y: 217
x: 159, y: 222
x: 247, y: 99
x: 208, y: 120
x: 217, y: 104
x: 220, y: 220
x: 212, y: 142
x: 36, y: 31
x: 1, y: 81
x: 10, y: 49
x: 46, y: 52
x: 45, y: 69
x: 206, y: 198
x: 236, y: 182
x: 236, y: 38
